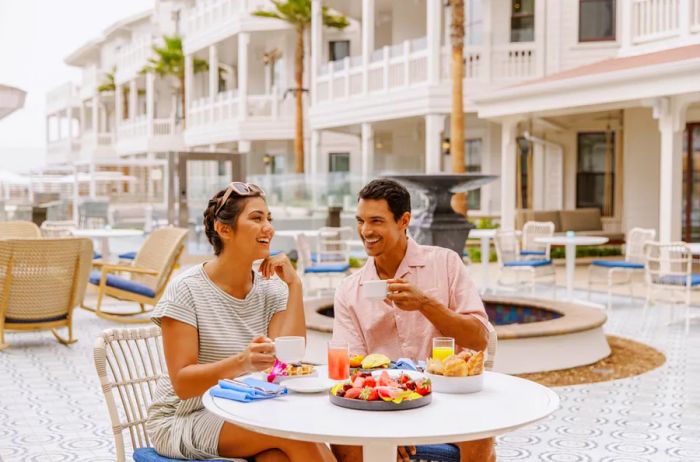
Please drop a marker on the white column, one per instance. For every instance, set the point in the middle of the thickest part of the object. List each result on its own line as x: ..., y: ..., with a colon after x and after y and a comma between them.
x: 684, y: 17
x: 487, y: 40
x: 150, y: 103
x: 625, y: 9
x: 81, y: 119
x: 509, y: 129
x: 367, y: 41
x: 367, y: 151
x: 96, y: 114
x: 93, y: 183
x: 189, y: 84
x: 243, y: 39
x: 316, y: 44
x: 433, y: 17
x: 118, y: 105
x: 48, y: 128
x: 671, y: 115
x: 315, y: 153
x: 540, y: 31
x: 70, y: 117
x: 133, y: 99
x: 434, y: 126
x: 213, y: 78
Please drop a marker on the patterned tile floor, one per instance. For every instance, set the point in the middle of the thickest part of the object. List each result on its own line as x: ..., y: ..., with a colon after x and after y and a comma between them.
x: 51, y: 407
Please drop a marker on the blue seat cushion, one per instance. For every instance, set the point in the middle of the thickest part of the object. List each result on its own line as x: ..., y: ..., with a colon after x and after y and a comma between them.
x: 437, y: 453
x: 533, y: 263
x: 150, y: 455
x: 328, y: 268
x: 527, y: 253
x: 128, y: 255
x: 123, y: 284
x: 274, y: 252
x: 96, y: 255
x: 617, y: 264
x: 677, y: 280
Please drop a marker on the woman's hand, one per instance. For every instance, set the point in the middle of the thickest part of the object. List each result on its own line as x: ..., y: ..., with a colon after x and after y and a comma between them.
x: 259, y: 355
x: 281, y: 266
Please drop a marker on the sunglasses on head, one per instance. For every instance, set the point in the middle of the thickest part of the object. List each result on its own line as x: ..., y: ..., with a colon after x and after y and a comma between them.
x: 240, y: 189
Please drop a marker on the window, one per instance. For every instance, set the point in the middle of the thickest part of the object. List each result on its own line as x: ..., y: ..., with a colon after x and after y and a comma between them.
x: 596, y: 20
x: 339, y: 162
x: 473, y: 22
x: 338, y: 49
x: 472, y: 162
x: 595, y: 150
x: 522, y: 21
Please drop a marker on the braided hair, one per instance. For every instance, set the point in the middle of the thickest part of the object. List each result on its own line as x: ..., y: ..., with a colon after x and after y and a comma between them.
x: 228, y: 214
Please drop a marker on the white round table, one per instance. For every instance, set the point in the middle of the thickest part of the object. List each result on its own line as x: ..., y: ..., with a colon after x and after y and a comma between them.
x: 570, y: 242
x: 505, y: 403
x: 694, y: 248
x: 103, y: 235
x: 484, y: 235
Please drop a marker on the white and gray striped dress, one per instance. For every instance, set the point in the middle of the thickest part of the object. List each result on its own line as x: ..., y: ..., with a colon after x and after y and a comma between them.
x: 226, y: 325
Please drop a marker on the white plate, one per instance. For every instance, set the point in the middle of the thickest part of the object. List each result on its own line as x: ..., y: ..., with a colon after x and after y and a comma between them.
x: 281, y: 378
x: 308, y: 384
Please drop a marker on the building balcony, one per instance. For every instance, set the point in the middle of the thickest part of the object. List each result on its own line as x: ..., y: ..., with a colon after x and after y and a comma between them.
x: 141, y: 135
x: 62, y: 151
x: 133, y: 57
x: 394, y: 71
x: 650, y: 23
x: 97, y: 145
x: 265, y: 117
x: 211, y: 21
x: 62, y: 97
x: 90, y: 81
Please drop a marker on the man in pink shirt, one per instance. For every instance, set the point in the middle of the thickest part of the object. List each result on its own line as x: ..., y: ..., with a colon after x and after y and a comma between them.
x: 430, y: 295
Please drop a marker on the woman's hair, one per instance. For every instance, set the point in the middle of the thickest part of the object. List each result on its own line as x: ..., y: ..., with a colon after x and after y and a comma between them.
x: 228, y: 214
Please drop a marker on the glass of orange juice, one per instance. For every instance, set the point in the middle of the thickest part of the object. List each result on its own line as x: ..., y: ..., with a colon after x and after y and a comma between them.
x: 338, y: 361
x: 443, y: 347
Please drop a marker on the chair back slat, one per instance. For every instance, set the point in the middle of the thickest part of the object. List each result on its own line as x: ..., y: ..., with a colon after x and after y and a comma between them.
x: 129, y: 363
x: 507, y: 246
x: 533, y: 230
x: 19, y: 230
x: 159, y: 252
x: 304, y: 252
x: 637, y: 238
x: 333, y: 244
x: 665, y: 263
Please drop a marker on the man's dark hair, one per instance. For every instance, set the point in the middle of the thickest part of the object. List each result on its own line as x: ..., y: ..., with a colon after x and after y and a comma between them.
x: 396, y: 196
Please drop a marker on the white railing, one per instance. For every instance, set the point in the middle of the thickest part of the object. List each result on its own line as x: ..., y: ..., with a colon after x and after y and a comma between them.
x: 164, y: 127
x: 62, y: 97
x: 695, y: 16
x: 225, y: 106
x: 91, y: 139
x: 63, y: 147
x: 473, y: 63
x: 655, y: 19
x: 133, y: 57
x: 515, y: 61
x: 209, y: 14
x: 134, y: 128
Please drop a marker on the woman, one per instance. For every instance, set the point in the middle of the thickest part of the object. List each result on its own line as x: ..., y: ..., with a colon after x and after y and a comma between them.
x: 217, y: 320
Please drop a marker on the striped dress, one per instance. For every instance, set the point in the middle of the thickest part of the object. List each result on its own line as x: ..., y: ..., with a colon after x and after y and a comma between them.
x: 226, y: 325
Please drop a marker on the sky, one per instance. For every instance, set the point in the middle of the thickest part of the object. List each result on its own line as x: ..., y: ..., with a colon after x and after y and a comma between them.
x: 35, y: 37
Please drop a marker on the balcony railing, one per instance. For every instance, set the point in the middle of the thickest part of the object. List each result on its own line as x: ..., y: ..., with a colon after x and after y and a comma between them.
x: 132, y: 58
x: 210, y: 14
x: 62, y: 97
x: 91, y: 139
x: 64, y: 148
x: 224, y: 108
x: 406, y: 64
x: 653, y: 20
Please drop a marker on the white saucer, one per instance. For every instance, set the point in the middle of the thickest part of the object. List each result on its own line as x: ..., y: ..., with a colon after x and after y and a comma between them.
x: 308, y: 384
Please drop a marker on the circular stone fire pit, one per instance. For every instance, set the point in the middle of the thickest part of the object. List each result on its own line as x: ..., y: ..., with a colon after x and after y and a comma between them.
x: 534, y: 335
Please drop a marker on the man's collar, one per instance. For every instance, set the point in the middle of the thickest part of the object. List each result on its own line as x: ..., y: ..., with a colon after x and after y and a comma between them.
x: 414, y: 257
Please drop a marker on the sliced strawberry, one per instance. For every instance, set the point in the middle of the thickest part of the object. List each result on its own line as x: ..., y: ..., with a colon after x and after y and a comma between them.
x: 369, y: 394
x: 423, y: 387
x: 353, y: 393
x: 358, y: 382
x: 370, y: 382
x: 384, y: 379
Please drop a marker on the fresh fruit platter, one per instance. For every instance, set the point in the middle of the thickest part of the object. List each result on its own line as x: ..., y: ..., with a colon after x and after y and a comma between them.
x: 382, y: 392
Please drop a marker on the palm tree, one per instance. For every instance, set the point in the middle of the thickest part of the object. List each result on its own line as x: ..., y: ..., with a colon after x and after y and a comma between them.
x: 298, y: 14
x: 109, y: 84
x: 459, y: 201
x: 170, y: 61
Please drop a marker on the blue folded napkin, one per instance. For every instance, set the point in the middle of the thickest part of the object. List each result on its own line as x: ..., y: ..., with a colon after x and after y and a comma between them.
x: 406, y: 364
x: 244, y: 391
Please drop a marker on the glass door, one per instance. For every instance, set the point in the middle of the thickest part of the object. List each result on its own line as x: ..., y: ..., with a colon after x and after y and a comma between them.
x: 691, y: 183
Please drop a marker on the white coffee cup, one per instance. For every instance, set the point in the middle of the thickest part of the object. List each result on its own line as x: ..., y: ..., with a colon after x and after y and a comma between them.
x: 374, y: 289
x: 290, y: 349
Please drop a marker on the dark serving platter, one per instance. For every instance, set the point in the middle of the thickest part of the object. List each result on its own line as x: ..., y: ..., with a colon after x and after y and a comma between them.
x: 362, y: 405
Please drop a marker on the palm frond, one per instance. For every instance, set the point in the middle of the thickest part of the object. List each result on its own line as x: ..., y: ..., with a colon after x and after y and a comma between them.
x: 335, y: 21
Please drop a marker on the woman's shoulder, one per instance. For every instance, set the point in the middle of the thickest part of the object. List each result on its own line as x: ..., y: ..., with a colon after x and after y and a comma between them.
x: 273, y: 285
x: 186, y: 282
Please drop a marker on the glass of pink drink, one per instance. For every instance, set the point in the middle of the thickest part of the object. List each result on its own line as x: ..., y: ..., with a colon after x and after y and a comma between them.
x: 338, y: 361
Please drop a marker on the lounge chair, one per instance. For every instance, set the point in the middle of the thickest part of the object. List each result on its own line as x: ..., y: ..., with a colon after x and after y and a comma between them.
x: 19, y: 230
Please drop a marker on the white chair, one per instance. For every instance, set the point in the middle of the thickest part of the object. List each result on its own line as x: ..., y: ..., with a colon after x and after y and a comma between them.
x: 509, y: 261
x: 306, y: 267
x: 332, y: 245
x: 129, y: 363
x: 606, y: 270
x: 668, y: 267
x: 534, y: 250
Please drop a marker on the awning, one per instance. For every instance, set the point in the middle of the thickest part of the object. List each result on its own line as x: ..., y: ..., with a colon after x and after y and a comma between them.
x: 617, y: 82
x: 11, y: 99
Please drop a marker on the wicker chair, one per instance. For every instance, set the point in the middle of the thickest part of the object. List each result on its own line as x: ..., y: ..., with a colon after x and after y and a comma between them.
x: 531, y: 231
x: 19, y: 230
x: 306, y: 267
x: 42, y: 280
x: 510, y: 262
x: 150, y: 273
x: 129, y: 363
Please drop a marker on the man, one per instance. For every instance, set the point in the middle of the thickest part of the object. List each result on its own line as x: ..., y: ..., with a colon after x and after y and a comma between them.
x: 429, y: 295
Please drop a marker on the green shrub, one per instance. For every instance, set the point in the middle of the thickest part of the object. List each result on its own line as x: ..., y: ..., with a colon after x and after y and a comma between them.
x: 356, y: 262
x: 588, y: 251
x: 475, y: 255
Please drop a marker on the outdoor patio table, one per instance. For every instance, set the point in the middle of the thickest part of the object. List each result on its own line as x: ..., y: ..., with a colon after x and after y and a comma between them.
x: 505, y: 403
x: 484, y: 235
x: 104, y: 235
x: 570, y: 242
x: 694, y: 249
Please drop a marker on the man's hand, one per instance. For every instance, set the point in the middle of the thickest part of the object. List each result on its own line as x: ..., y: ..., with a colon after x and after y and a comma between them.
x: 404, y: 453
x: 405, y: 295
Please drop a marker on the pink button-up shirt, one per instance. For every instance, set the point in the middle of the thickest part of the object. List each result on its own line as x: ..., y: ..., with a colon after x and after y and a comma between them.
x: 374, y: 326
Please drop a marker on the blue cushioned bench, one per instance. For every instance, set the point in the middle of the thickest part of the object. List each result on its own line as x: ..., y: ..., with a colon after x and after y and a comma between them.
x: 123, y: 284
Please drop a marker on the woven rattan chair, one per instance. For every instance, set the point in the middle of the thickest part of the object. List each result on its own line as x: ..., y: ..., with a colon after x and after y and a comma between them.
x: 19, y: 230
x: 129, y: 363
x: 149, y: 274
x: 531, y: 231
x: 511, y: 263
x: 42, y: 280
